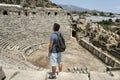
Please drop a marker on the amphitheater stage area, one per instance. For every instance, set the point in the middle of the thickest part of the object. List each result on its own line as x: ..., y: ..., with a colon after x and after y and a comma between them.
x: 75, y: 56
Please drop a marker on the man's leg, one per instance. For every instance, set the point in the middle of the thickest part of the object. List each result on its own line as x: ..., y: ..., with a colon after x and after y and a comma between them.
x: 59, y: 61
x: 53, y: 63
x: 53, y: 70
x: 60, y: 67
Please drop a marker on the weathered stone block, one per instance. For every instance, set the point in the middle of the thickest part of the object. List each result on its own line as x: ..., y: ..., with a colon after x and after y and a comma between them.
x: 111, y: 62
x: 102, y: 57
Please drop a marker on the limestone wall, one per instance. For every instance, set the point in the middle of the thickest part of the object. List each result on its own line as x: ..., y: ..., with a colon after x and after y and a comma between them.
x: 100, y: 54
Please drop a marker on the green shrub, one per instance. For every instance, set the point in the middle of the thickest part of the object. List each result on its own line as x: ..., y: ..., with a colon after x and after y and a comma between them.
x: 117, y: 20
x: 103, y: 38
x: 118, y: 32
x: 110, y: 14
x: 102, y: 14
x: 40, y: 5
x: 26, y: 5
x: 95, y: 14
x: 18, y: 1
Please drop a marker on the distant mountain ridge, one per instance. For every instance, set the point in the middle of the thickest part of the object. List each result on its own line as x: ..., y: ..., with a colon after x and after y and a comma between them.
x: 73, y: 8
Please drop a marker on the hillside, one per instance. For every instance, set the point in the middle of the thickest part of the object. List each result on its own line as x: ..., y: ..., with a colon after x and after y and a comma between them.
x: 31, y: 3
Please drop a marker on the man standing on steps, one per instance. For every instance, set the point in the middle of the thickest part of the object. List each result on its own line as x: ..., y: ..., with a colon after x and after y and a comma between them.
x: 53, y: 54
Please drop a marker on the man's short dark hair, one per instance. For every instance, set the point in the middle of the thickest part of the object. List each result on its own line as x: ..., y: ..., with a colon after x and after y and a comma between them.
x: 56, y: 27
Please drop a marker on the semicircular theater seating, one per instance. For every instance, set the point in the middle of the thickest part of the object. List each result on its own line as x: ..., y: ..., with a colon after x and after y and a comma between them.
x: 21, y: 35
x: 10, y: 57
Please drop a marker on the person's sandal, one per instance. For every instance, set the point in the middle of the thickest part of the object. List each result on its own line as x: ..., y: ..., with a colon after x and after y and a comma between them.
x: 52, y: 77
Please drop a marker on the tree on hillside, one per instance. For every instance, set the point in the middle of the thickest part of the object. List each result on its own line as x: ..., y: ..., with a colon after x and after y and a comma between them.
x: 102, y: 13
x: 117, y: 20
x: 110, y: 14
x: 10, y: 1
x: 110, y: 20
x: 32, y: 3
x: 95, y: 14
x: 118, y: 32
x: 85, y: 12
x: 18, y: 1
x: 3, y: 1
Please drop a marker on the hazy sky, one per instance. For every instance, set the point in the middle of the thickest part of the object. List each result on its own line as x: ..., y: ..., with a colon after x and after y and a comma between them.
x: 102, y: 5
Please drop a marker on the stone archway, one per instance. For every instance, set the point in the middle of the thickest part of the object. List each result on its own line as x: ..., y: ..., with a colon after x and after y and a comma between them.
x: 73, y: 33
x: 26, y: 13
x: 19, y: 13
x: 5, y: 12
x: 56, y: 13
x: 68, y: 14
x: 48, y: 13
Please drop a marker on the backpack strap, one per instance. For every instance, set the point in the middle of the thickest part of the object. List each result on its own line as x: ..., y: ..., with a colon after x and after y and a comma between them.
x: 58, y: 34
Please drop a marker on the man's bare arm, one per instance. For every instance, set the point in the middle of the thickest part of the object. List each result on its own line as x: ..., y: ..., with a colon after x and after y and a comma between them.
x: 50, y: 47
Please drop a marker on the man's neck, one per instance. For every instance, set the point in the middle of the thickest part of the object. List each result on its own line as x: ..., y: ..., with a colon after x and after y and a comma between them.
x: 55, y: 31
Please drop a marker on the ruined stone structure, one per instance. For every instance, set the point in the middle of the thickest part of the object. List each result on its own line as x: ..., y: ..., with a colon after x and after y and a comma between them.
x: 22, y: 31
x: 107, y: 40
x: 100, y: 54
x: 100, y: 42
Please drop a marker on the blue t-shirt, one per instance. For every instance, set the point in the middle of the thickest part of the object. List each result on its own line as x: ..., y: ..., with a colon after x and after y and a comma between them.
x: 54, y: 38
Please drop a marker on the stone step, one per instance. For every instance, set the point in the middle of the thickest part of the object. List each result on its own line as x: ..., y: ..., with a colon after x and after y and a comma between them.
x: 24, y: 75
x: 5, y: 46
x: 11, y: 45
x: 2, y: 45
x: 105, y: 76
x: 69, y: 76
x: 5, y: 40
x: 2, y: 42
x: 22, y: 47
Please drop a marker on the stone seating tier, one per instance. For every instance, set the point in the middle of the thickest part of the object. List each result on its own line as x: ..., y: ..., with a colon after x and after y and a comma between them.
x: 20, y: 35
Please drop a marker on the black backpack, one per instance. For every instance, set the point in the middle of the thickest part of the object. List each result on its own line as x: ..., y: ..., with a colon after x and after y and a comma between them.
x: 60, y: 44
